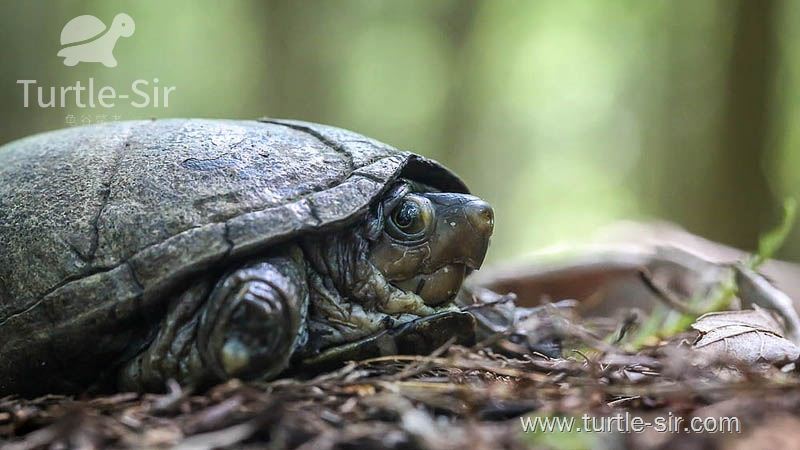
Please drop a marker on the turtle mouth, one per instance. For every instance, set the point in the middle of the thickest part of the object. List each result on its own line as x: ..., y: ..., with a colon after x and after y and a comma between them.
x: 438, y: 287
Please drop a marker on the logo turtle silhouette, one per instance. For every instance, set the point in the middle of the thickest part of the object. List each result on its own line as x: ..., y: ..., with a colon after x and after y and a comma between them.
x: 86, y: 39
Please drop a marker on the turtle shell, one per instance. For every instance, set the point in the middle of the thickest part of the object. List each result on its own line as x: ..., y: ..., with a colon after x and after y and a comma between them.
x: 99, y: 224
x: 81, y: 28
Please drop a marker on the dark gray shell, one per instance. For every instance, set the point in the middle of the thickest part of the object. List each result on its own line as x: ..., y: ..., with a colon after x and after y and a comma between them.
x: 97, y: 223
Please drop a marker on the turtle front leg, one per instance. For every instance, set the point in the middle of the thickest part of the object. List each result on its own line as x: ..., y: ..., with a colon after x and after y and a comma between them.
x: 246, y: 326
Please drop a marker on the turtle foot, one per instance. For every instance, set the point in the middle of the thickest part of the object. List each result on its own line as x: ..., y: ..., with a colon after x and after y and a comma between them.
x: 244, y: 342
x: 247, y: 326
x: 252, y: 320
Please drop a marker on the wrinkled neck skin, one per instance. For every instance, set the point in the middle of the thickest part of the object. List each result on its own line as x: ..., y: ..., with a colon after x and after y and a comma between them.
x: 350, y: 297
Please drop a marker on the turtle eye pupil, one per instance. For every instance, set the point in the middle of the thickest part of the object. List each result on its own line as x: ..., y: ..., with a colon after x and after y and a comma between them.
x: 407, y: 214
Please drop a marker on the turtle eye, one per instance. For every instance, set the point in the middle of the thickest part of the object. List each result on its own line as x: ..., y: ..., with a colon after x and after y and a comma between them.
x: 411, y: 219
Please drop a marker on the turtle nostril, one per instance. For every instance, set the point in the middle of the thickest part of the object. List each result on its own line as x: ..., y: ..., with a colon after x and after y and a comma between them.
x: 481, y: 215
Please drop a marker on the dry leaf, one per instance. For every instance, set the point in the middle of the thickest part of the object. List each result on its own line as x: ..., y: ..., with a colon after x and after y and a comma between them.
x: 748, y: 336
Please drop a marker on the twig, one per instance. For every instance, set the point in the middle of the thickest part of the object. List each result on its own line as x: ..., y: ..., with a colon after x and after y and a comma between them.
x: 666, y: 297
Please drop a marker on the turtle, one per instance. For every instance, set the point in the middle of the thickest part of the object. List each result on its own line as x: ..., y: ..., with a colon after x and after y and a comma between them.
x: 87, y: 39
x: 202, y: 250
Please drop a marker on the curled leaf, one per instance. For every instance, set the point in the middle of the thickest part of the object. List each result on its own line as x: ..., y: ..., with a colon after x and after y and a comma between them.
x: 748, y: 336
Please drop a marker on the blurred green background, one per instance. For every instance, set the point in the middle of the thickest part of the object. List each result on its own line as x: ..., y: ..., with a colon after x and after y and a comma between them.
x: 565, y: 115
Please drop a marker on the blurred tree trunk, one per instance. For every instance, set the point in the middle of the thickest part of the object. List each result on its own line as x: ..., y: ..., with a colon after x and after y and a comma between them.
x: 23, y: 57
x: 457, y: 24
x: 300, y: 79
x: 714, y: 133
x: 740, y: 205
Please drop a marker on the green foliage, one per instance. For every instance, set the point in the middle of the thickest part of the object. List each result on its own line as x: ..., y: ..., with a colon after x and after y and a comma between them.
x: 773, y: 240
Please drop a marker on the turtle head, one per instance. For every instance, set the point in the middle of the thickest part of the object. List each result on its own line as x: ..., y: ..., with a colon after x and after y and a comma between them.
x: 396, y: 272
x: 427, y: 242
x: 396, y: 277
x: 123, y: 25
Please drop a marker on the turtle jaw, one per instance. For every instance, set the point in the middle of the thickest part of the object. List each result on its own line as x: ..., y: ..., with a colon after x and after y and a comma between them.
x: 438, y: 287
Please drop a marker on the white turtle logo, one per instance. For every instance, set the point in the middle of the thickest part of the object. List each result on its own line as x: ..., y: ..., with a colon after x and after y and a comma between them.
x: 85, y: 39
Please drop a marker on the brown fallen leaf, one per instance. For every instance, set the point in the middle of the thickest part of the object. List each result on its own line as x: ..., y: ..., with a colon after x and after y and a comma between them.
x: 748, y: 336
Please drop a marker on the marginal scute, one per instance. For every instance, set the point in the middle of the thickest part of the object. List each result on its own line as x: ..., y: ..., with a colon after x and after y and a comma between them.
x: 246, y: 232
x: 383, y: 169
x: 432, y: 173
x: 178, y: 257
x: 338, y: 204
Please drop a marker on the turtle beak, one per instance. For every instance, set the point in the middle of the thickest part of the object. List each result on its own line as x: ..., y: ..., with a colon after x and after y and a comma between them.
x: 464, y: 225
x: 480, y: 216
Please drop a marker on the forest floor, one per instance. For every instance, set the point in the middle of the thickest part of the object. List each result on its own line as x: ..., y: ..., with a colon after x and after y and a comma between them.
x: 460, y: 398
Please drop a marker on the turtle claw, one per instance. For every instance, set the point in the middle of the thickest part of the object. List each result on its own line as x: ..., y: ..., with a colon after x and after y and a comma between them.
x: 235, y: 356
